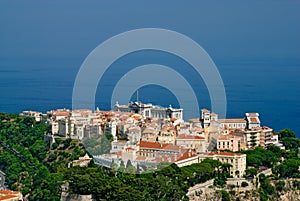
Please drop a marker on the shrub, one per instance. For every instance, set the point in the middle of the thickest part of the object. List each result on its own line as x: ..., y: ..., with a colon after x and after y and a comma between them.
x: 244, y: 184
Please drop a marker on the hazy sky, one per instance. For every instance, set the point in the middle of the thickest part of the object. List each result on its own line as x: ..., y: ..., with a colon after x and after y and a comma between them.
x: 73, y: 28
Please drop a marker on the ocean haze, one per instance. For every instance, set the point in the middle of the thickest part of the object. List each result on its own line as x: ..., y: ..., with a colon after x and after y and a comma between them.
x: 255, y: 46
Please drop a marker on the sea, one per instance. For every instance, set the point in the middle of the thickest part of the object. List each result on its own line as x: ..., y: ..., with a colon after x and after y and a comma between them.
x: 268, y: 86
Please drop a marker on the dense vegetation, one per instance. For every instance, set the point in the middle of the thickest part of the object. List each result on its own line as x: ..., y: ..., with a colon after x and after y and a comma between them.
x: 39, y: 172
x: 26, y: 173
x: 284, y: 164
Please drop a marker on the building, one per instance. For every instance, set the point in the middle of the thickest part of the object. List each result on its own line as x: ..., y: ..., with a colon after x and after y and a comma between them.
x: 166, y: 136
x: 92, y: 131
x: 63, y: 127
x: 38, y: 116
x: 134, y: 134
x: 252, y: 138
x: 265, y: 136
x: 56, y: 116
x: 153, y: 150
x: 205, y: 117
x: 149, y: 134
x: 194, y: 142
x: 235, y: 123
x: 149, y: 110
x: 237, y: 160
x: 253, y: 121
x: 81, y: 162
x: 228, y: 142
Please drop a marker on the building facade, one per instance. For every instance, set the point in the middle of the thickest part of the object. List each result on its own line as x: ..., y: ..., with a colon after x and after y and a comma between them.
x: 149, y: 110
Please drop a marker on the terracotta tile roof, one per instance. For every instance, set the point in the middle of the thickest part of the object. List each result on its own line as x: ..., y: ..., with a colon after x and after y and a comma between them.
x: 235, y: 120
x: 186, y: 155
x: 205, y: 110
x: 156, y: 145
x: 223, y: 137
x: 8, y: 192
x: 189, y: 137
x: 173, y: 119
x: 137, y: 116
x: 61, y: 113
x: 253, y: 119
x: 140, y: 158
x: 266, y: 128
x: 252, y: 114
x: 7, y: 197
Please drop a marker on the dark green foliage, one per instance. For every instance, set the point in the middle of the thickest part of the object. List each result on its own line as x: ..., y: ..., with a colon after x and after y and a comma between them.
x: 296, y: 184
x: 261, y: 157
x: 288, y: 168
x: 266, y: 189
x: 280, y: 185
x: 286, y: 133
x: 26, y: 136
x: 251, y: 172
x: 224, y: 195
x: 244, y: 184
x: 291, y: 143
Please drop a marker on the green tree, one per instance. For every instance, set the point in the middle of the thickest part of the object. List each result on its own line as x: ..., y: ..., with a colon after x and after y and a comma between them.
x: 286, y: 133
x: 251, y: 172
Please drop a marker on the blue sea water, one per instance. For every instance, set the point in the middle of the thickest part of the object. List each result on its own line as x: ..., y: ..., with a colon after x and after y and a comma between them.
x: 269, y: 86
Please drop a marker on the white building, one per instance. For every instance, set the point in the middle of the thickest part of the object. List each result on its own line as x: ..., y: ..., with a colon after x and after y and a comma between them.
x: 237, y: 160
x: 37, y: 115
x: 149, y: 110
x: 235, y: 123
x: 252, y: 120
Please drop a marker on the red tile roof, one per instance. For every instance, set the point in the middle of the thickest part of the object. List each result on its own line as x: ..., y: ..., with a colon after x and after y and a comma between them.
x: 141, y: 158
x: 61, y: 113
x: 8, y: 192
x: 186, y: 155
x: 189, y: 137
x: 253, y: 119
x: 7, y: 197
x: 156, y: 145
x: 236, y: 120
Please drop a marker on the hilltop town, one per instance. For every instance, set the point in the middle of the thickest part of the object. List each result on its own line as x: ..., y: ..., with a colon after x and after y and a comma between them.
x: 144, y: 151
x: 147, y: 135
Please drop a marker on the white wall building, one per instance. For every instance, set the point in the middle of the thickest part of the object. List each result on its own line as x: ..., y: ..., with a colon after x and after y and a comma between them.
x: 149, y: 110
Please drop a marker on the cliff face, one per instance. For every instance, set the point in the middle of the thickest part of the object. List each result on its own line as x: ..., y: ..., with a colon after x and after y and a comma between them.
x: 291, y: 190
x: 288, y: 191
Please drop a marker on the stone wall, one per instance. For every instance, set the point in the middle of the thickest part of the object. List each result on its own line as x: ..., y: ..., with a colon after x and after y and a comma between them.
x: 75, y: 197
